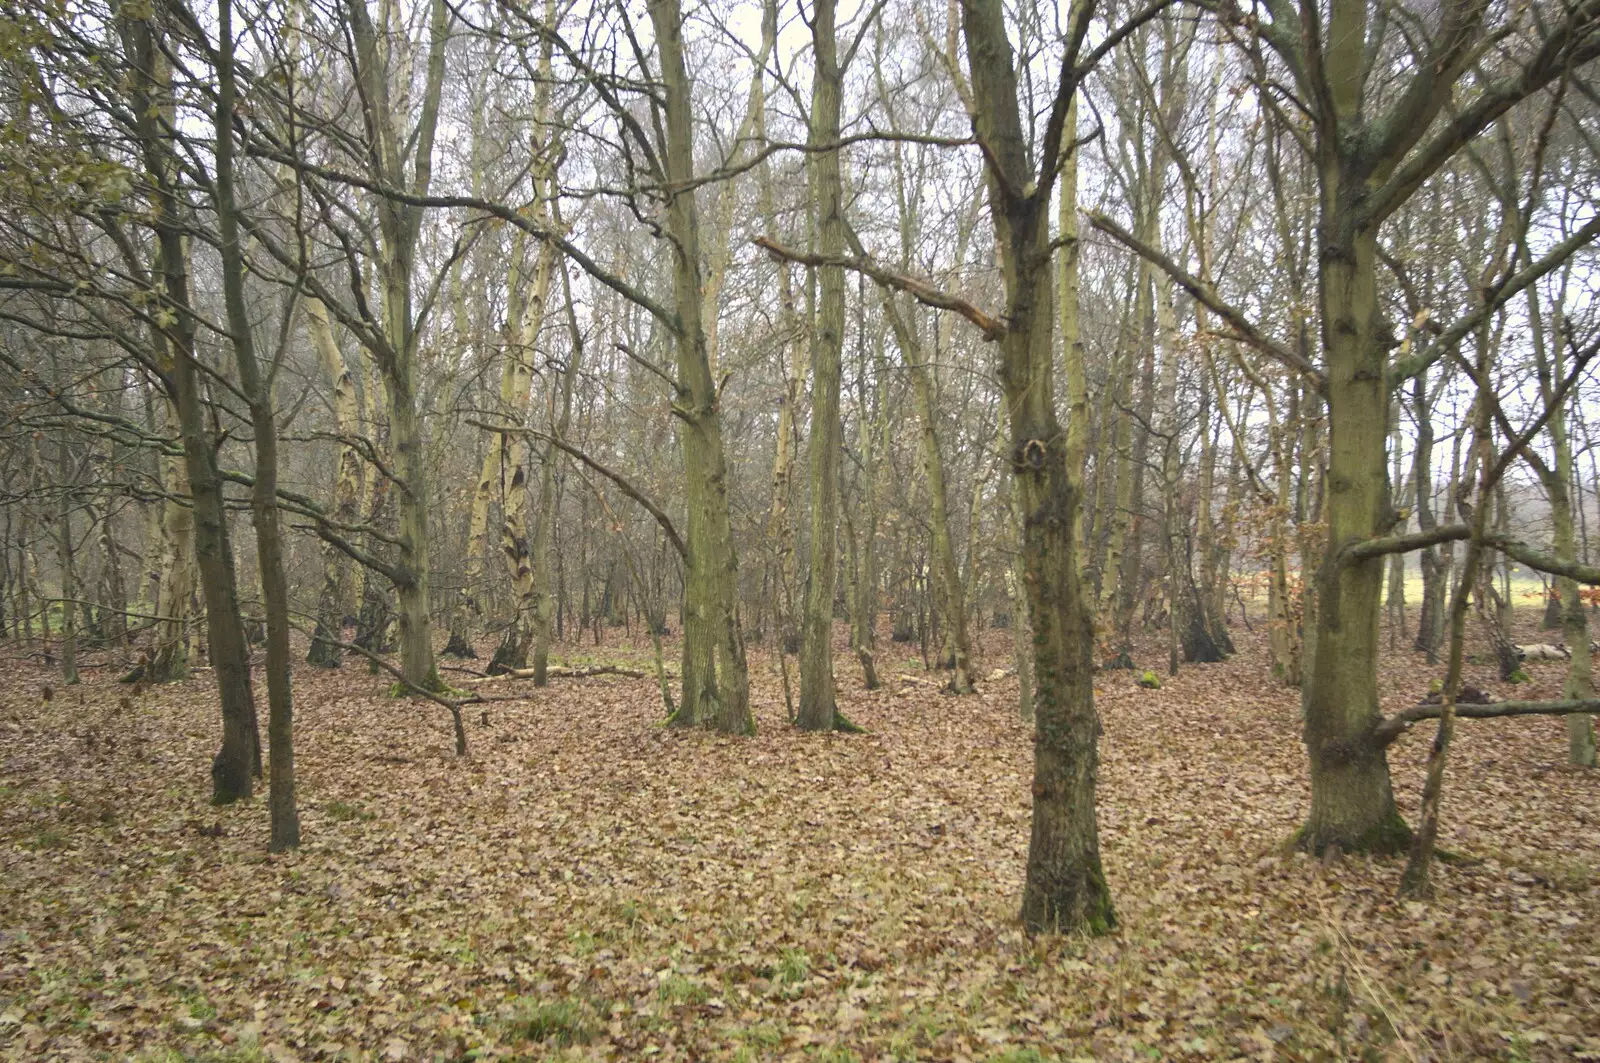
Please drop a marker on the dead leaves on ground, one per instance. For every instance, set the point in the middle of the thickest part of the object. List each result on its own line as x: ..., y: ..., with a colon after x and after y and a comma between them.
x: 587, y: 885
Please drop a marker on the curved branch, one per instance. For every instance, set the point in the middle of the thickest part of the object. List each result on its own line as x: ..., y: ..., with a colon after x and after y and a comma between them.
x: 615, y: 477
x: 1392, y: 727
x: 923, y: 292
x: 1207, y: 295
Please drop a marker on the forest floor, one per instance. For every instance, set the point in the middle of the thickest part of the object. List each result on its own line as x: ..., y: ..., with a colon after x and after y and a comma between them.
x: 588, y: 885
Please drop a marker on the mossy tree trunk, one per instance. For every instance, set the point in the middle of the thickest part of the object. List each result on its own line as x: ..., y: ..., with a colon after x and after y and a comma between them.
x: 1352, y: 803
x: 1065, y: 887
x: 716, y: 692
x: 817, y: 705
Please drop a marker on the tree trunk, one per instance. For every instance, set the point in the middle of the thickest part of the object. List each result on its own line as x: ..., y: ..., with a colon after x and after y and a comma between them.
x: 169, y: 656
x: 817, y: 708
x: 69, y: 576
x: 1396, y: 596
x: 716, y: 691
x: 946, y: 576
x: 549, y: 506
x: 1430, y: 621
x: 335, y: 601
x: 1574, y: 620
x: 399, y: 226
x: 1415, y: 880
x: 871, y: 426
x: 1352, y: 803
x: 1016, y: 578
x: 239, y: 758
x: 264, y: 494
x: 1065, y: 887
x: 530, y: 296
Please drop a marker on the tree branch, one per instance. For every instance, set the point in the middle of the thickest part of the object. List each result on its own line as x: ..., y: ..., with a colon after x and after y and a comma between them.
x: 1515, y: 549
x: 1454, y: 334
x: 615, y: 477
x: 923, y: 292
x: 1207, y: 295
x: 1392, y: 727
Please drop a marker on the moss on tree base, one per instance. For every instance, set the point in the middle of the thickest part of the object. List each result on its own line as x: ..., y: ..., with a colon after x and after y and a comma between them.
x: 843, y: 723
x: 433, y: 684
x: 1387, y: 838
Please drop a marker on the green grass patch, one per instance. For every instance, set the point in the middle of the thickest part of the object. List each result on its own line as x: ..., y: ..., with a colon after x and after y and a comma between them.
x: 347, y: 811
x: 794, y: 966
x: 47, y: 840
x: 561, y: 1023
x: 677, y: 991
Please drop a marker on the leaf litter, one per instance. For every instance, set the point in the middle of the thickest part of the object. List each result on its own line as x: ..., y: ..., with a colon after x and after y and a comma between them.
x: 588, y: 885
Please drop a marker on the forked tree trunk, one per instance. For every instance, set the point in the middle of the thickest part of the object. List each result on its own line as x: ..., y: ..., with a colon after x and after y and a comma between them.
x: 399, y: 227
x: 239, y: 759
x: 1065, y: 887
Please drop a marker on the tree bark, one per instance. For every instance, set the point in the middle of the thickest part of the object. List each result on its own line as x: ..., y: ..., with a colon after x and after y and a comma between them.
x: 257, y: 387
x: 175, y: 579
x: 239, y: 759
x: 1352, y: 803
x: 817, y: 707
x: 335, y: 601
x: 716, y: 692
x: 1065, y: 887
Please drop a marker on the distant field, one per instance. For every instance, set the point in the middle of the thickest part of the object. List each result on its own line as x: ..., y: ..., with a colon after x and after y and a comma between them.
x: 1526, y: 589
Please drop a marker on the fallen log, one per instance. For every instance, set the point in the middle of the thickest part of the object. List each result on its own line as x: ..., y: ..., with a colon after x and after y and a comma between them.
x: 562, y: 672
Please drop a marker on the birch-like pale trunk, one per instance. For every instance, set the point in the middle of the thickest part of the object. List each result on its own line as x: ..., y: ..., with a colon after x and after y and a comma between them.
x: 529, y: 298
x: 336, y: 600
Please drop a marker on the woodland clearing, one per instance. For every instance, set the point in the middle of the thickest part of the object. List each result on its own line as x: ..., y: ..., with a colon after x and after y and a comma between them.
x: 586, y: 884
